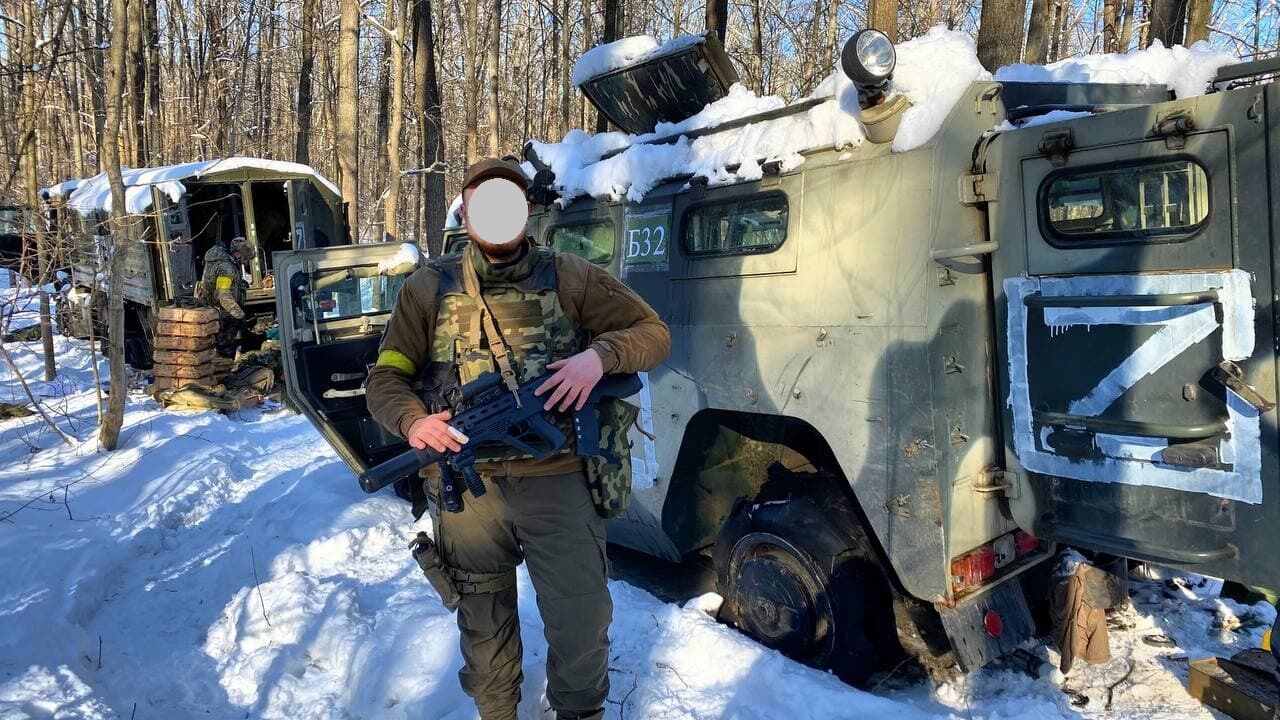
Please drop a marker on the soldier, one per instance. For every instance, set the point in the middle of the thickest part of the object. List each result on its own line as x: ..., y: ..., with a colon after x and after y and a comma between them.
x: 504, y: 303
x: 222, y: 285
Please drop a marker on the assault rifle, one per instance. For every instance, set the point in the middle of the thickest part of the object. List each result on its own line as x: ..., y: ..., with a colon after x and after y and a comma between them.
x: 489, y: 414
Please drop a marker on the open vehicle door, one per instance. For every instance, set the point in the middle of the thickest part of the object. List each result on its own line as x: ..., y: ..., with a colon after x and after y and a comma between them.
x: 1135, y: 339
x: 314, y: 225
x: 174, y: 249
x: 333, y: 306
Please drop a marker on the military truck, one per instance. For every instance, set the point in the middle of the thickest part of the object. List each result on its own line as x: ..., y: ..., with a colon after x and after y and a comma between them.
x: 176, y: 213
x: 899, y: 380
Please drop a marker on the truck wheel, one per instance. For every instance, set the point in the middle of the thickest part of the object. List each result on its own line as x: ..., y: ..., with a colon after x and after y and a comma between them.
x: 792, y: 580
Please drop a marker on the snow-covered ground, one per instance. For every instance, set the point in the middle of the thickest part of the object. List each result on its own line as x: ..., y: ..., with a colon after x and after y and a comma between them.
x: 229, y: 567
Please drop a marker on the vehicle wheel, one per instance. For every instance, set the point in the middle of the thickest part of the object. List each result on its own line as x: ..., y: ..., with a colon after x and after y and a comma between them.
x: 796, y: 582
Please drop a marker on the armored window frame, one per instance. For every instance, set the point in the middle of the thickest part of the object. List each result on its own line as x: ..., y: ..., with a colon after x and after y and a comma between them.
x: 688, y: 220
x: 1196, y: 198
x: 304, y: 292
x: 549, y: 238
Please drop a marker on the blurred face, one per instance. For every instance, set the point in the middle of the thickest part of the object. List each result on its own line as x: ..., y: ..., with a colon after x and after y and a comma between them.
x: 496, y: 214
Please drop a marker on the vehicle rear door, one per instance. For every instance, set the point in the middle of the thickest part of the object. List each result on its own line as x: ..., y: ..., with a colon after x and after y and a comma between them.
x: 314, y: 225
x: 333, y: 306
x: 1133, y: 278
x: 174, y: 250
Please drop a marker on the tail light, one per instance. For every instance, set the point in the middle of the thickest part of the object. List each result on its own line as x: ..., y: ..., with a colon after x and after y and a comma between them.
x: 981, y: 564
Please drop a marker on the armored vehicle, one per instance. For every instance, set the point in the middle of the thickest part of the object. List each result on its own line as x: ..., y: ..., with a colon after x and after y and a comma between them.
x: 900, y: 379
x: 178, y: 212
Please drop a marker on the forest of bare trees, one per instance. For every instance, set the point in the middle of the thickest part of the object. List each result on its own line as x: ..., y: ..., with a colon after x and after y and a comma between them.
x: 392, y: 99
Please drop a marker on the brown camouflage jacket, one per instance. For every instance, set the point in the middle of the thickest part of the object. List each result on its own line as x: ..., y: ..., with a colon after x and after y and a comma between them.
x: 621, y: 327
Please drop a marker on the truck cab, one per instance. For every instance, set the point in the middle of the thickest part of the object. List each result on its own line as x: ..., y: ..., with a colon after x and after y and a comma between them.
x: 901, y: 377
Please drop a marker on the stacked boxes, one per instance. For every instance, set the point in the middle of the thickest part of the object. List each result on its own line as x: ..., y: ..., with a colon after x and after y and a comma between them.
x: 184, y: 351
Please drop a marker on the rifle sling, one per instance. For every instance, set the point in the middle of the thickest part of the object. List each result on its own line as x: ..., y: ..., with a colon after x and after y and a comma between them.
x: 483, y: 323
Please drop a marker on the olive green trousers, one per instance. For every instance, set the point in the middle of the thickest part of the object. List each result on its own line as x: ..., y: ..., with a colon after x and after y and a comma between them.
x: 551, y: 524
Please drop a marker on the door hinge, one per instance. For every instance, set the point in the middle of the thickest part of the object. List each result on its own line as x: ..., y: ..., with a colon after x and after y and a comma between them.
x: 988, y: 100
x: 1057, y: 146
x: 994, y: 482
x: 1174, y: 128
x: 1230, y: 375
x: 979, y: 188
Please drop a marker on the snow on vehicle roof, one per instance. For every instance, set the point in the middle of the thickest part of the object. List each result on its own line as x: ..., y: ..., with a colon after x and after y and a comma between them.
x: 1187, y: 71
x: 94, y: 193
x: 612, y: 56
x: 933, y: 72
x: 638, y: 168
x: 61, y: 191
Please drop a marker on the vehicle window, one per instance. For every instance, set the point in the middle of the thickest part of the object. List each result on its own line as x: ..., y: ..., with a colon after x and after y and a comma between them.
x: 752, y: 225
x: 593, y: 241
x: 1163, y: 198
x: 350, y: 292
x: 10, y: 221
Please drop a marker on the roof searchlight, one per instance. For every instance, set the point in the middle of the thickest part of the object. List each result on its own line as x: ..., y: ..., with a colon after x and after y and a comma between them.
x: 868, y: 59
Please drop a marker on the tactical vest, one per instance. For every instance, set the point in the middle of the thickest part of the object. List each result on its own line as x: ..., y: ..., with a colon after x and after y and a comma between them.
x: 525, y: 305
x: 526, y: 309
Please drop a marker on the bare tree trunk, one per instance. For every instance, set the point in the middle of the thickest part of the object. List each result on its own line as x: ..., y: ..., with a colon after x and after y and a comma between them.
x: 718, y: 18
x: 153, y: 143
x: 113, y: 418
x: 1110, y: 26
x: 491, y: 79
x: 1000, y: 33
x: 266, y: 88
x: 138, y: 87
x: 832, y: 50
x: 756, y: 63
x: 390, y: 225
x: 1199, y: 12
x: 557, y: 27
x: 383, y: 122
x: 98, y: 74
x: 1039, y: 31
x: 1168, y: 22
x: 1126, y: 26
x: 471, y: 80
x: 566, y: 72
x: 31, y: 161
x: 349, y: 110
x: 302, y: 142
x: 882, y: 15
x: 431, y: 128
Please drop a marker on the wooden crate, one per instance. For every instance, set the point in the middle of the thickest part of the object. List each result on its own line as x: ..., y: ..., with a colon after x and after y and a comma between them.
x: 197, y: 315
x: 163, y: 356
x: 168, y: 383
x: 178, y: 342
x: 185, y: 329
x: 204, y: 370
x: 222, y: 365
x: 1239, y: 690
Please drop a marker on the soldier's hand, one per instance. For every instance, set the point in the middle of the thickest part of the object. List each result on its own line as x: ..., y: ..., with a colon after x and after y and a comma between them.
x: 434, y: 431
x: 573, y: 381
